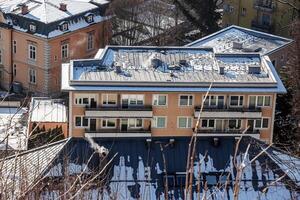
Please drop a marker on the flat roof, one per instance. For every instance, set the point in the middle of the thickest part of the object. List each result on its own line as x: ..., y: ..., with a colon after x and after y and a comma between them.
x: 171, y: 69
x: 246, y: 40
x: 173, y: 66
x: 48, y: 110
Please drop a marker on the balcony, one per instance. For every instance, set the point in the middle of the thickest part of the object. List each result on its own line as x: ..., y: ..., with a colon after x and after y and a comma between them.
x: 213, y: 132
x: 263, y: 6
x: 118, y: 133
x: 229, y: 113
x: 120, y: 112
x: 261, y: 26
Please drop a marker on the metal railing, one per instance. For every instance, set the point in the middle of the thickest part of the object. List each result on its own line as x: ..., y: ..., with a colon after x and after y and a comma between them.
x: 120, y: 108
x: 228, y: 109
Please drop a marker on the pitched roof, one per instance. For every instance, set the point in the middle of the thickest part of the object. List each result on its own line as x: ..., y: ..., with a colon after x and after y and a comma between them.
x: 137, y: 171
x: 249, y: 41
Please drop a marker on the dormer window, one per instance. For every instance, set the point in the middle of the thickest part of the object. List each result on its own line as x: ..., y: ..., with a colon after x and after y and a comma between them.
x: 64, y: 26
x: 32, y: 28
x: 89, y: 18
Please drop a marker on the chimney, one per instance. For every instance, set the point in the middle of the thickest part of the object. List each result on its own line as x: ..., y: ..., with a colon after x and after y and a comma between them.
x: 24, y: 9
x: 63, y: 7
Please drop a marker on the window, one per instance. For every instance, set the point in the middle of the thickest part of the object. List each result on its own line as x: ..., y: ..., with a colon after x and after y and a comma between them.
x: 65, y: 51
x: 89, y: 18
x: 186, y: 100
x: 132, y: 100
x: 135, y: 123
x: 261, y: 123
x: 1, y: 57
x: 108, y: 123
x: 32, y: 76
x: 184, y: 122
x: 109, y: 99
x: 64, y: 26
x: 85, y: 99
x: 32, y: 28
x: 14, y: 46
x: 159, y: 122
x: 236, y: 100
x: 14, y: 70
x: 259, y: 101
x: 159, y: 100
x: 234, y: 124
x: 32, y: 52
x: 90, y: 41
x: 208, y: 123
x: 81, y: 121
x: 82, y: 101
x: 244, y: 10
x: 214, y: 101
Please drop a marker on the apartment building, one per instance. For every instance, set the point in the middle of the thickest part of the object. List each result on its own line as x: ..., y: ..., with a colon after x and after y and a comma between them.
x: 158, y: 91
x: 264, y: 15
x: 236, y: 39
x: 36, y: 37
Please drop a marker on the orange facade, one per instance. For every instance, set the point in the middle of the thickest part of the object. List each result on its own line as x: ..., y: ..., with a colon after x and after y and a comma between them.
x: 41, y: 74
x: 172, y: 111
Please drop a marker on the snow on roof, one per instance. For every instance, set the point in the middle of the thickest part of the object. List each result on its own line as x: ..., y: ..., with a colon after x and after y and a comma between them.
x: 13, y: 128
x: 170, y: 65
x: 47, y: 11
x: 47, y: 110
x: 137, y: 172
x: 25, y: 168
x: 249, y: 41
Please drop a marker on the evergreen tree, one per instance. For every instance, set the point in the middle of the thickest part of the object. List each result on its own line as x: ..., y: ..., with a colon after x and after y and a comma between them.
x: 201, y: 13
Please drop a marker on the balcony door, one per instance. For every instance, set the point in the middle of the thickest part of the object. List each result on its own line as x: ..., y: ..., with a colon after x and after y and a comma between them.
x: 124, y: 125
x: 93, y: 103
x: 92, y: 124
x: 219, y: 125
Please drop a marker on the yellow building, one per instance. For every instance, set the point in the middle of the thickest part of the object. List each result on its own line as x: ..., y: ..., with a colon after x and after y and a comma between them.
x: 264, y: 15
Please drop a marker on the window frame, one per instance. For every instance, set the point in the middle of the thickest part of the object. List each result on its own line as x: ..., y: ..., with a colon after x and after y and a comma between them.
x: 135, y: 96
x: 64, y: 51
x: 261, y: 125
x: 135, y: 123
x: 32, y: 75
x: 108, y: 127
x: 209, y: 101
x: 154, y: 125
x: 236, y: 123
x: 108, y: 94
x: 264, y: 100
x: 188, y: 103
x: 82, y: 96
x: 155, y: 97
x: 239, y: 101
x: 187, y: 123
x: 208, y: 127
x: 90, y: 41
x: 81, y: 121
x: 32, y: 49
x: 32, y: 28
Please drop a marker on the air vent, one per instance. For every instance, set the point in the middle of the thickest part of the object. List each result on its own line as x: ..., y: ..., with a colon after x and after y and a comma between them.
x: 222, y: 70
x: 237, y: 45
x: 155, y: 63
x: 254, y: 69
x: 118, y: 68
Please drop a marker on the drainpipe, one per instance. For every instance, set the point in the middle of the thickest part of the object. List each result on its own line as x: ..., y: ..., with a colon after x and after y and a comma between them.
x: 239, y: 13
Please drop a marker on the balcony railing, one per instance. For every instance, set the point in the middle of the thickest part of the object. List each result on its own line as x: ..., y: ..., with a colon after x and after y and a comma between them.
x: 228, y: 132
x: 143, y: 111
x: 229, y: 112
x: 118, y: 133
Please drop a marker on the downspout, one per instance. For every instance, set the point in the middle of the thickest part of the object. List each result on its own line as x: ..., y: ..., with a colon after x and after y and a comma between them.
x: 11, y: 60
x: 239, y: 13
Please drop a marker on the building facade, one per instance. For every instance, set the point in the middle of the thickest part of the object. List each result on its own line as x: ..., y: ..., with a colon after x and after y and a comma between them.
x: 149, y: 91
x: 38, y: 36
x: 264, y: 15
